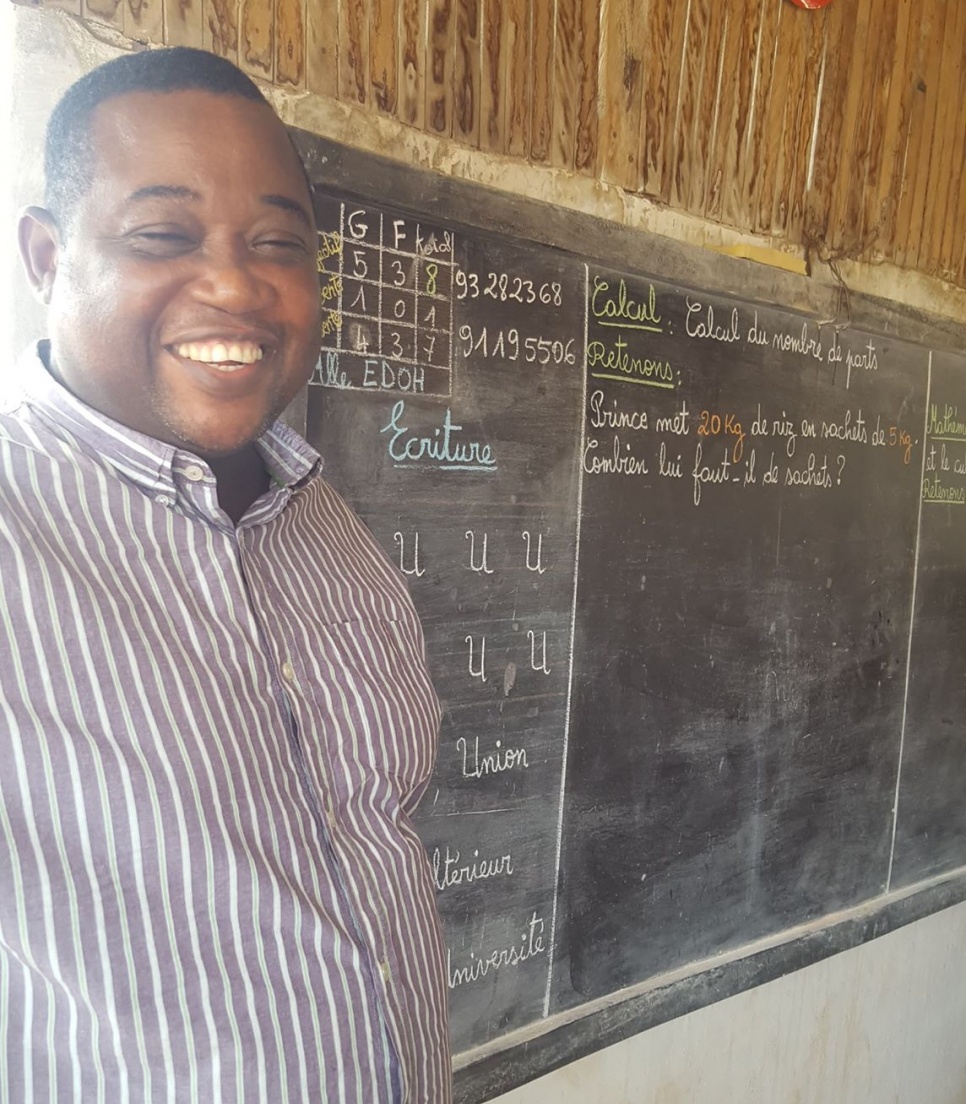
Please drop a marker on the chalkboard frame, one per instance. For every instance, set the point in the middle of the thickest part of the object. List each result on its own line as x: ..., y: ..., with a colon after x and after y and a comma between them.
x: 515, y: 1059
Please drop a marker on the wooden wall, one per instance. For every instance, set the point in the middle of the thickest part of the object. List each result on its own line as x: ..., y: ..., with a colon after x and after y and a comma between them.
x: 842, y: 130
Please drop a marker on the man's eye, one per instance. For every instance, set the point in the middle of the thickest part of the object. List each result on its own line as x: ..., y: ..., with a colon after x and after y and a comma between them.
x: 281, y: 248
x: 161, y: 243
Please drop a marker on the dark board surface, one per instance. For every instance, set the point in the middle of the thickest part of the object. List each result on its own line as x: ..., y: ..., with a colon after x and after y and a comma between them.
x: 931, y: 828
x: 672, y: 554
x: 742, y: 616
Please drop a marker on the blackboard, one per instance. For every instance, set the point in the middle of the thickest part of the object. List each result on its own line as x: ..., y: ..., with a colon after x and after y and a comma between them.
x: 692, y: 574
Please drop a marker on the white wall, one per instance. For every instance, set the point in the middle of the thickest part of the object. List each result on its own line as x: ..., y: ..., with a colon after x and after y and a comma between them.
x: 884, y: 1023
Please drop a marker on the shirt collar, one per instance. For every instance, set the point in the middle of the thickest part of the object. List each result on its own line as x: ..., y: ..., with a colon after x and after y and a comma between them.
x: 152, y: 464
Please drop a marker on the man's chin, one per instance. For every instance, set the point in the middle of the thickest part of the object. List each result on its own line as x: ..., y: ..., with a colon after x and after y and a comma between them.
x: 216, y: 438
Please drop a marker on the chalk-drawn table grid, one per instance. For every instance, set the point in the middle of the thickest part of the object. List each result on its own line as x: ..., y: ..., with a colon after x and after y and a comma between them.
x: 396, y: 294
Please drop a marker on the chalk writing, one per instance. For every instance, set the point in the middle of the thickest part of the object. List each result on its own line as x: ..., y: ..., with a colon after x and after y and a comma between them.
x: 813, y: 473
x: 530, y: 945
x: 702, y: 323
x: 381, y: 374
x: 534, y: 565
x: 327, y: 372
x: 508, y: 345
x: 934, y: 490
x: 713, y: 424
x: 867, y: 360
x: 678, y: 423
x: 498, y: 761
x: 443, y: 450
x: 542, y: 665
x: 619, y: 308
x: 450, y: 870
x: 802, y: 343
x: 893, y: 436
x: 614, y: 417
x: 415, y: 568
x: 620, y: 462
x: 507, y: 288
x: 616, y: 363
x: 945, y: 423
x: 850, y: 428
x: 668, y: 467
x: 479, y: 671
x: 703, y: 474
x: 782, y: 427
x: 479, y: 566
x: 330, y: 245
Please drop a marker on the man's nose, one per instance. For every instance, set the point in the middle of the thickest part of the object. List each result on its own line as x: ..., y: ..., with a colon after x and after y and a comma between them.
x: 230, y: 280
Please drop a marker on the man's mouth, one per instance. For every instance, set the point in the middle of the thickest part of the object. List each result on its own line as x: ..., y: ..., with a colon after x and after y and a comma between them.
x: 225, y: 356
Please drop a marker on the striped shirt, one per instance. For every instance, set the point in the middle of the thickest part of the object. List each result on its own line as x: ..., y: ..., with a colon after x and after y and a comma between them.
x: 212, y: 739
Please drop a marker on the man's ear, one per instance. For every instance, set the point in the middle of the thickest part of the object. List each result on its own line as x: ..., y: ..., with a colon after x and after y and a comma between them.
x: 39, y: 238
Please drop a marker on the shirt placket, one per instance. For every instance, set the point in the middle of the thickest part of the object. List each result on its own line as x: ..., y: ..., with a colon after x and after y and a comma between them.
x: 286, y: 678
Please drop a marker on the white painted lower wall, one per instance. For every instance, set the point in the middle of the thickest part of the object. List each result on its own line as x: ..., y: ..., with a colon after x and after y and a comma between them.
x: 884, y: 1023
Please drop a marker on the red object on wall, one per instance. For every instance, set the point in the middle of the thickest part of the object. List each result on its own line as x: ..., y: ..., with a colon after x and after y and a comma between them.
x: 811, y: 3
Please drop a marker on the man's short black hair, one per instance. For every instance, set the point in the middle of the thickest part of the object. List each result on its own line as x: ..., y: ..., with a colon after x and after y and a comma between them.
x: 68, y: 151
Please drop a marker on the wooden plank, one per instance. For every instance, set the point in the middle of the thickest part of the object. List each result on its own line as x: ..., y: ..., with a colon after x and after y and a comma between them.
x: 383, y: 55
x: 354, y: 51
x: 752, y: 168
x: 909, y: 135
x: 440, y: 71
x: 914, y: 198
x: 183, y: 23
x: 666, y: 27
x: 290, y: 43
x: 543, y: 31
x: 857, y: 231
x: 698, y: 104
x: 564, y: 82
x: 110, y: 13
x: 518, y: 72
x: 853, y: 106
x: 256, y: 38
x: 888, y: 140
x: 953, y: 255
x: 797, y: 61
x: 492, y: 83
x: 827, y: 132
x: 143, y: 20
x: 623, y: 27
x: 588, y: 87
x: 727, y: 36
x: 466, y: 76
x: 411, y: 93
x: 322, y: 47
x: 945, y: 142
x: 221, y: 28
x: 779, y: 119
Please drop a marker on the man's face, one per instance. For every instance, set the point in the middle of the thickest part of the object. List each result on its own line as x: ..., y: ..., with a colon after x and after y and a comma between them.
x: 183, y: 291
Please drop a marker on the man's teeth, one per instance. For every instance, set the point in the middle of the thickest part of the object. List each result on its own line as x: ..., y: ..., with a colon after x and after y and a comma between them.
x: 227, y: 356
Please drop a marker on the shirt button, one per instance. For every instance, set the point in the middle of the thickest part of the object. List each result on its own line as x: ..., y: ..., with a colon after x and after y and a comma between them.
x: 288, y: 671
x: 164, y: 500
x: 194, y: 473
x: 385, y: 971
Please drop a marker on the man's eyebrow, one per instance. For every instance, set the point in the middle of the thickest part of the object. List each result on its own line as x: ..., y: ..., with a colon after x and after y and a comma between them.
x: 290, y: 205
x: 163, y: 191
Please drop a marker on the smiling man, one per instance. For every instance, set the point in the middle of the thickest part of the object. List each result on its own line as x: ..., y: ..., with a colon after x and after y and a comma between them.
x: 215, y: 716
